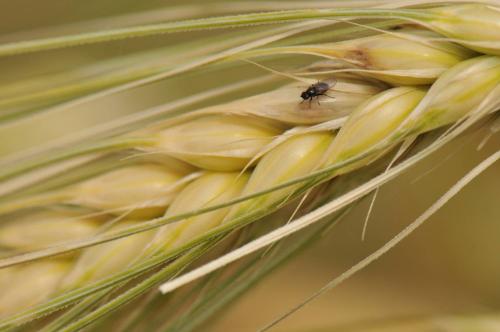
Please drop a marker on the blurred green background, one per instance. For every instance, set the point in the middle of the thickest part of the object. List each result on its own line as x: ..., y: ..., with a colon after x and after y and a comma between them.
x: 449, y: 266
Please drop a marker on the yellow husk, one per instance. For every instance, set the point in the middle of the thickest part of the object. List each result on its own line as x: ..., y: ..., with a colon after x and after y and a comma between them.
x: 456, y: 93
x: 45, y: 228
x: 374, y: 120
x: 405, y: 58
x: 285, y: 105
x: 105, y: 259
x: 297, y: 156
x: 140, y: 191
x: 219, y: 142
x: 402, y: 58
x: 27, y: 285
x: 208, y: 190
x: 476, y: 26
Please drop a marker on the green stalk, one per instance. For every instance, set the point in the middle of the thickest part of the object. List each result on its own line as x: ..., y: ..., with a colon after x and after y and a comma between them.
x: 31, y: 201
x: 313, y: 177
x: 149, y: 263
x: 203, y: 24
x: 106, y: 146
x: 134, y: 68
x: 232, y: 288
x: 70, y: 297
x: 166, y: 273
x: 81, y: 307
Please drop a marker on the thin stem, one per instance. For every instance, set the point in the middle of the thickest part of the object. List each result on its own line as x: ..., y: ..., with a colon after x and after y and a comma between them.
x: 207, y: 23
x: 72, y: 314
x: 110, y: 145
x: 234, y: 287
x: 93, y: 290
x: 455, y: 189
x: 330, y: 207
x: 306, y: 181
x: 32, y: 201
x: 167, y: 272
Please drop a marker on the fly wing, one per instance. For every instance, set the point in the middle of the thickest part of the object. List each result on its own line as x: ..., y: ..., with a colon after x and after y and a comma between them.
x: 330, y: 81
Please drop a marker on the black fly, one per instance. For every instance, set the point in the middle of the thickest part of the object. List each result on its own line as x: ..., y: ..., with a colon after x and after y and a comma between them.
x: 316, y: 90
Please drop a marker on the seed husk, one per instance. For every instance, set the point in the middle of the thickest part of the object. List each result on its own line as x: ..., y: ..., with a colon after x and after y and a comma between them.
x: 44, y: 228
x: 218, y: 142
x: 19, y: 288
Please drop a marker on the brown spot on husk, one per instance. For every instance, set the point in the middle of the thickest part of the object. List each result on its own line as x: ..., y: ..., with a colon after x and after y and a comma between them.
x: 359, y: 57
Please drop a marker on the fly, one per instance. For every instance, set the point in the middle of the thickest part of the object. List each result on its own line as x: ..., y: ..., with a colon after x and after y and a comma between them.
x: 316, y: 90
x: 313, y: 91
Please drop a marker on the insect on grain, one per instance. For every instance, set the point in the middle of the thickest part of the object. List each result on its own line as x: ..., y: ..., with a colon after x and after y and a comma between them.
x: 316, y: 90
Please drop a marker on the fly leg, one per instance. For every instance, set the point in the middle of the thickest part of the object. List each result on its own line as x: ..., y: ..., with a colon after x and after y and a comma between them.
x: 324, y: 94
